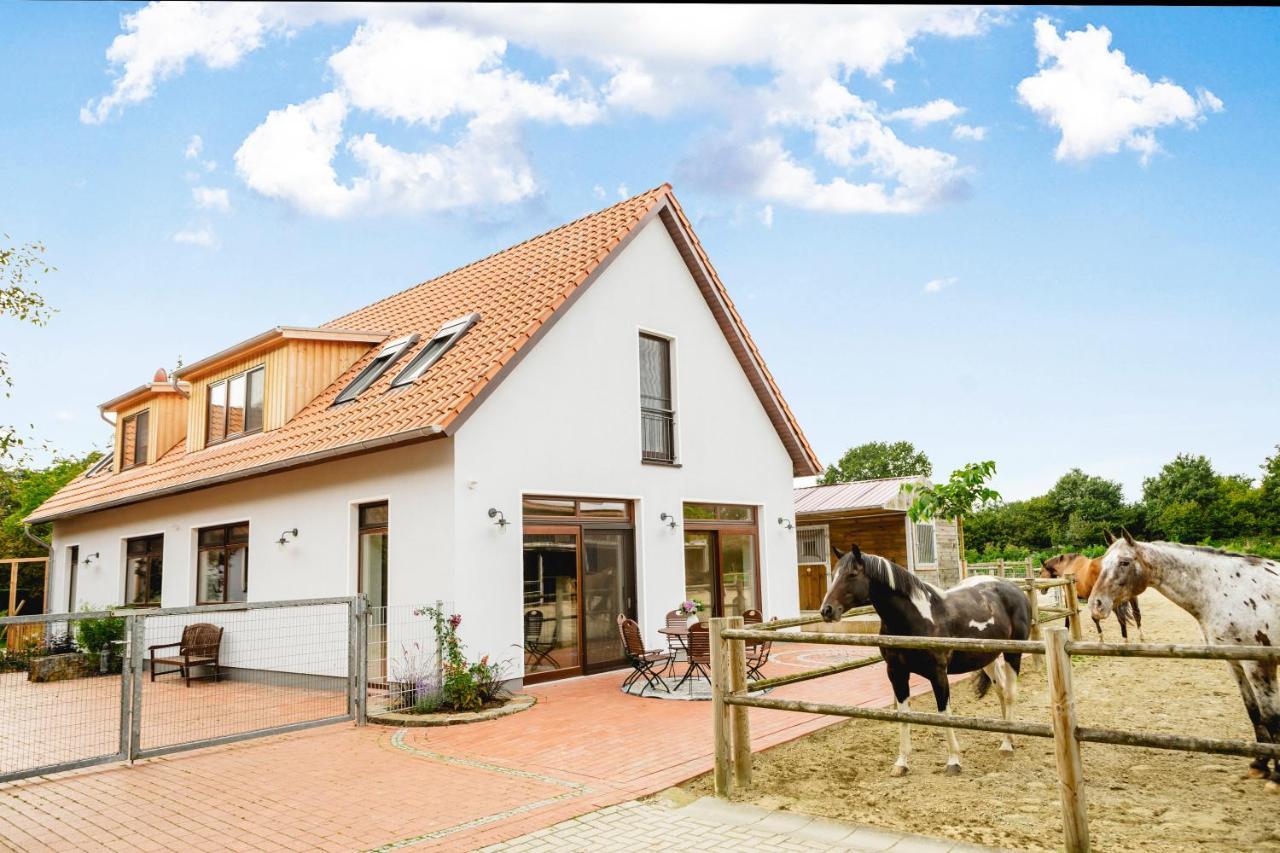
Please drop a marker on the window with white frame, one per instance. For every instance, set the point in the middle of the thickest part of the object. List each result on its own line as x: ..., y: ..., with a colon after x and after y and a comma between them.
x: 926, y: 544
x: 813, y: 545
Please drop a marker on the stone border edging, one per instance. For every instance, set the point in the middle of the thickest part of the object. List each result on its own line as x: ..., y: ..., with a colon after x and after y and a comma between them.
x: 519, y: 702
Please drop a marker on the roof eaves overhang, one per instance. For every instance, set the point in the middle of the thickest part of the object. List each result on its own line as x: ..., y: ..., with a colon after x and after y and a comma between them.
x: 270, y: 338
x: 354, y: 449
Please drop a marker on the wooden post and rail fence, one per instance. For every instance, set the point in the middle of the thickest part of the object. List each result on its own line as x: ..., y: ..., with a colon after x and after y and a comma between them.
x: 732, y: 695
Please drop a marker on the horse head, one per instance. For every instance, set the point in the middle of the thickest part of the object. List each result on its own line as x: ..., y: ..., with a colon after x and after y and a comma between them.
x: 851, y: 587
x: 1049, y: 569
x: 1123, y: 577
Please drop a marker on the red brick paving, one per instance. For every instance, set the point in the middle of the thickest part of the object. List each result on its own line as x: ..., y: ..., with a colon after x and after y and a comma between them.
x: 585, y: 745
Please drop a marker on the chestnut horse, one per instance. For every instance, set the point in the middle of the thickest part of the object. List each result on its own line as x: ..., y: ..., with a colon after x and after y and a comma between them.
x: 1086, y: 572
x: 979, y: 607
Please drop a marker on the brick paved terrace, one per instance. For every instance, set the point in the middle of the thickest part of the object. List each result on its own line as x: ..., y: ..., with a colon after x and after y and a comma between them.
x: 584, y: 746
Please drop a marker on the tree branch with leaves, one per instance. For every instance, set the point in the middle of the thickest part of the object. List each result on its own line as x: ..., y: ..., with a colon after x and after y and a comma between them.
x: 19, y: 266
x: 955, y: 499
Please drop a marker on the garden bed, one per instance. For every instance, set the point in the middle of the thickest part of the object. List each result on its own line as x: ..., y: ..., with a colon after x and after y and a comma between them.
x: 513, y: 705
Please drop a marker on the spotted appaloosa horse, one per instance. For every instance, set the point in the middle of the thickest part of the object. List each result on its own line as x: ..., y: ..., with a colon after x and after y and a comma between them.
x: 1086, y: 573
x: 982, y: 607
x: 1234, y: 597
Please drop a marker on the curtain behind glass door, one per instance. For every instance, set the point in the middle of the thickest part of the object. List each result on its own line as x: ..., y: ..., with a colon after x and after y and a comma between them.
x: 608, y: 589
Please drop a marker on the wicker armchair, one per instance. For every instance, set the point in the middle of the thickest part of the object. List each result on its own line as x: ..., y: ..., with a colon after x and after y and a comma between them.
x: 646, y: 663
x: 200, y: 645
x: 757, y: 652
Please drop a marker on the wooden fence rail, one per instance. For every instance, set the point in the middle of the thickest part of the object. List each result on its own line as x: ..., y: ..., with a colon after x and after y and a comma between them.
x: 732, y: 697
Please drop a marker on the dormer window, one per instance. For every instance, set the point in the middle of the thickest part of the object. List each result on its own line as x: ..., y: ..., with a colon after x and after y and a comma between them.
x: 134, y: 440
x: 435, y: 349
x: 235, y: 406
x: 373, y: 370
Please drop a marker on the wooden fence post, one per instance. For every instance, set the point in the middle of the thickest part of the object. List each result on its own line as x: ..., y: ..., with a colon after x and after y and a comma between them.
x: 1000, y: 567
x: 1073, y: 604
x: 720, y: 685
x: 1075, y: 812
x: 740, y: 725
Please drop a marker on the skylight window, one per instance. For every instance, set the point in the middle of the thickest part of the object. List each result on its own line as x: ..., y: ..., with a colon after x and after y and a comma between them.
x: 374, y: 369
x: 439, y: 344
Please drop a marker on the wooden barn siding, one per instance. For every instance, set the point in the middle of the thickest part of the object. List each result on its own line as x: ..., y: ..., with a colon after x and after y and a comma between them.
x: 297, y: 371
x: 884, y: 534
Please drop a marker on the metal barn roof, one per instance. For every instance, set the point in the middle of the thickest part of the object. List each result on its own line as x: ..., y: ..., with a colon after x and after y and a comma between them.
x: 863, y: 494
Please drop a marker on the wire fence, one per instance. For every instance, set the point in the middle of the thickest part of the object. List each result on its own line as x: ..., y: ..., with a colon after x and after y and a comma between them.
x: 86, y: 688
x: 404, y: 658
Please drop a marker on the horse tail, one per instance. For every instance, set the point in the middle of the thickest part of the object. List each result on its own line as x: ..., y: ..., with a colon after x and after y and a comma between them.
x: 982, y: 683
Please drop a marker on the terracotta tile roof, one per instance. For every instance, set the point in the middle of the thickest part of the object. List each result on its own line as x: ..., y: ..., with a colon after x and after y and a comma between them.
x: 517, y: 293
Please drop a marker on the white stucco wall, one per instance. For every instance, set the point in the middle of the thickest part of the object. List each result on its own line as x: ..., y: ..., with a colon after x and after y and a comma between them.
x: 319, y: 500
x: 567, y: 421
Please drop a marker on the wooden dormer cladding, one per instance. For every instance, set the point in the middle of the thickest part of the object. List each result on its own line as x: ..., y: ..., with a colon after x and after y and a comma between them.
x: 166, y: 421
x: 298, y: 365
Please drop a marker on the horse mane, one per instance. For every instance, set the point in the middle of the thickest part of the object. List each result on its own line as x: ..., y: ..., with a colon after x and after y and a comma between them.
x: 894, y: 576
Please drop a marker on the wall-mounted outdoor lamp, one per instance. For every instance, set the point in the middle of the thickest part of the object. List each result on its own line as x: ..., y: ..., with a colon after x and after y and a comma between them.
x: 668, y: 519
x: 284, y: 537
x: 499, y: 518
x: 786, y: 523
x: 90, y: 558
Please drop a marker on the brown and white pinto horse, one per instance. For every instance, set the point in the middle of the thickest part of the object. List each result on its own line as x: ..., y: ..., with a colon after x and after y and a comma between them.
x: 1086, y: 573
x: 979, y: 607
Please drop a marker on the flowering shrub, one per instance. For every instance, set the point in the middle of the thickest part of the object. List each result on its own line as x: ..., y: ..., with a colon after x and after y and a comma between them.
x: 464, y: 686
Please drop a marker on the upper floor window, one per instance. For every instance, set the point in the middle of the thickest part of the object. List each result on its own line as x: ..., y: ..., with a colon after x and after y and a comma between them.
x: 435, y: 349
x: 235, y: 406
x: 374, y: 369
x: 926, y: 544
x: 657, y: 408
x: 144, y: 561
x: 134, y: 440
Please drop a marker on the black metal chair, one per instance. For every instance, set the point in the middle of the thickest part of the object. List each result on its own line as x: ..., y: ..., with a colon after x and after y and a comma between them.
x: 648, y: 664
x: 534, y: 644
x: 675, y: 644
x: 699, y: 653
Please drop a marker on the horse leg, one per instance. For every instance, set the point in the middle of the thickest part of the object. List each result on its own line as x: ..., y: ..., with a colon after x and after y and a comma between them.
x: 1261, y: 677
x: 999, y: 676
x: 1257, y: 767
x: 942, y: 693
x: 900, y: 678
x: 1137, y: 618
x: 1098, y: 625
x: 1122, y: 613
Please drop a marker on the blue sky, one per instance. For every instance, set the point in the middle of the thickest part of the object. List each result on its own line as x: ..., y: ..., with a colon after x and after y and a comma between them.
x: 1097, y: 217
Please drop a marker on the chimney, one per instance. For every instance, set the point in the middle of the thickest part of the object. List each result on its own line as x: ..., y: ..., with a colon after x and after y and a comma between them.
x: 161, y: 377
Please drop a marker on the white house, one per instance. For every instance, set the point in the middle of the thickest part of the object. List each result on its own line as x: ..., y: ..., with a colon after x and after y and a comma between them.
x: 576, y: 427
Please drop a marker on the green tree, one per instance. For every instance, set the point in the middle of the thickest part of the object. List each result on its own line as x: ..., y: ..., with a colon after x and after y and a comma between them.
x: 957, y: 498
x: 1184, y: 501
x: 1083, y: 506
x: 19, y: 301
x: 1269, y: 495
x: 23, y: 489
x: 877, y: 459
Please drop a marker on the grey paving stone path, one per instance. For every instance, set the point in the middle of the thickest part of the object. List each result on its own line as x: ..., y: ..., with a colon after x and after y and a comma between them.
x: 709, y: 824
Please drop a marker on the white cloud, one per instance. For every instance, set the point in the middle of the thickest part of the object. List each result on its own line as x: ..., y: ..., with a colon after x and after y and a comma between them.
x: 160, y: 39
x: 889, y: 84
x: 1098, y: 103
x: 623, y: 192
x: 445, y: 71
x: 766, y: 216
x: 969, y: 132
x: 197, y: 235
x: 937, y: 285
x: 194, y: 147
x: 935, y: 111
x: 599, y: 192
x: 211, y: 198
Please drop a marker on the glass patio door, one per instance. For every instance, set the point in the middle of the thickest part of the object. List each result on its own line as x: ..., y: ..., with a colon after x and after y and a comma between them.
x: 720, y: 558
x: 608, y: 588
x: 551, y: 600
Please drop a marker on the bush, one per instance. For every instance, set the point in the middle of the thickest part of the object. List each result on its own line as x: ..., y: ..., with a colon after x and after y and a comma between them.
x: 464, y: 686
x: 93, y: 635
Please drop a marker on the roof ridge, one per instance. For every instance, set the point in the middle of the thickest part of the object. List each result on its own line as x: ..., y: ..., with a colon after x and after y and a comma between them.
x: 662, y: 189
x: 855, y: 482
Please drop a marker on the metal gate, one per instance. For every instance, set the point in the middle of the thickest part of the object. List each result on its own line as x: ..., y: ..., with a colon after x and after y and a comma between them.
x: 82, y: 689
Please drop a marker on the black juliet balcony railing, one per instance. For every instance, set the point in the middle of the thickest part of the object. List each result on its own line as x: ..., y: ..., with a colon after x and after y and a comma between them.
x: 657, y: 431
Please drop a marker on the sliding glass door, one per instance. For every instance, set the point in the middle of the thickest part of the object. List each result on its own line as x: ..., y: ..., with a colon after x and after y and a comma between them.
x: 579, y: 574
